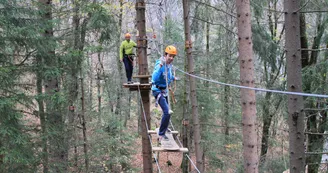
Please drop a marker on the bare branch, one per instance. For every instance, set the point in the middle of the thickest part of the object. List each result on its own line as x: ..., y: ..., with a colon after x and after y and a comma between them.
x: 315, y: 50
x: 313, y: 109
x: 315, y: 153
x: 232, y: 15
x: 305, y: 4
x: 214, y: 24
x: 309, y: 133
x: 315, y: 11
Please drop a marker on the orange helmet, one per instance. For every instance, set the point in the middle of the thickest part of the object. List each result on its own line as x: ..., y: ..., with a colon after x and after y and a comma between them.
x: 171, y: 50
x: 127, y: 35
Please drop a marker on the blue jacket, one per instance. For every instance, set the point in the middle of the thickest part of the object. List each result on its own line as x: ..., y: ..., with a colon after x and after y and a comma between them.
x: 158, y: 76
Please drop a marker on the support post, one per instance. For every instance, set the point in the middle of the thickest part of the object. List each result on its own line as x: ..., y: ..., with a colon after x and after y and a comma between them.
x: 143, y: 70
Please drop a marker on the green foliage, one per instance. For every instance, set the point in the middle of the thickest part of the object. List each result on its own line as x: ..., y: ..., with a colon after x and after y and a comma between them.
x: 315, y: 77
x: 173, y: 34
x: 16, y: 34
x: 264, y: 46
x: 113, y: 147
x: 258, y: 7
x: 102, y: 21
x: 276, y: 164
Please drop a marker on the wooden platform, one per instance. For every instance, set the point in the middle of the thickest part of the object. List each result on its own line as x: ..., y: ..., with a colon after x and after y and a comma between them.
x: 136, y: 85
x: 169, y: 145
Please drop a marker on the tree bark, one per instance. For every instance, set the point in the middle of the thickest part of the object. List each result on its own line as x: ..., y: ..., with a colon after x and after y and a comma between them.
x: 84, y: 126
x: 45, y: 159
x: 196, y: 125
x: 143, y: 70
x: 185, y: 120
x: 267, y: 118
x: 99, y: 86
x: 294, y: 83
x: 227, y: 67
x: 304, y: 41
x: 321, y: 26
x: 72, y: 85
x: 248, y: 100
x: 119, y: 68
x: 57, y: 151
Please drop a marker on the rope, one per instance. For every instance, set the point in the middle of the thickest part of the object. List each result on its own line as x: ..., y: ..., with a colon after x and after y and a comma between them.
x: 168, y: 100
x: 182, y: 146
x: 144, y: 114
x: 193, y: 163
x: 177, y: 136
x: 252, y: 88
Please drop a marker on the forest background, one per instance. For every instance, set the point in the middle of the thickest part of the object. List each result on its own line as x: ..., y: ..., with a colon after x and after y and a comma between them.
x: 63, y: 108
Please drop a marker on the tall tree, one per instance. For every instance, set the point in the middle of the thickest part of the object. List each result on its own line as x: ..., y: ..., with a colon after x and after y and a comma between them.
x: 54, y: 116
x: 248, y: 100
x: 267, y: 47
x: 294, y: 82
x: 41, y: 112
x: 119, y: 67
x: 314, y: 67
x: 193, y: 98
x: 143, y: 70
x: 17, y: 145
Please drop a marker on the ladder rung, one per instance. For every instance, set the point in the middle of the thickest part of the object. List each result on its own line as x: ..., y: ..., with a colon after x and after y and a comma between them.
x: 160, y: 149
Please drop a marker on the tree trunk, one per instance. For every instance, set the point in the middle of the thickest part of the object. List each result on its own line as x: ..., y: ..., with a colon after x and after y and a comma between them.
x: 248, y: 99
x: 143, y: 70
x: 55, y: 119
x: 321, y: 26
x: 227, y: 67
x: 207, y: 47
x: 294, y: 83
x: 119, y: 68
x: 196, y: 125
x: 270, y: 76
x: 84, y: 126
x: 90, y: 87
x: 72, y: 85
x: 99, y: 93
x: 267, y: 118
x: 99, y: 87
x: 45, y: 159
x: 185, y: 119
x: 304, y: 41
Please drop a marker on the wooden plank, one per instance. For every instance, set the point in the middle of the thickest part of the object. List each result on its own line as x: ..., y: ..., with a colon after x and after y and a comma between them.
x: 141, y: 76
x: 154, y: 132
x: 169, y: 144
x: 160, y: 149
x: 136, y: 85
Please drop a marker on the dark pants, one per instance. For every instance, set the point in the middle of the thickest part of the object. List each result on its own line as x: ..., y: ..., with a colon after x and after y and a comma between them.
x: 166, y: 116
x: 128, y: 64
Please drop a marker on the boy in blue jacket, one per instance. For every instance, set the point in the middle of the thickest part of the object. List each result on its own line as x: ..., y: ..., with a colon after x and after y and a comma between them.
x: 161, y: 79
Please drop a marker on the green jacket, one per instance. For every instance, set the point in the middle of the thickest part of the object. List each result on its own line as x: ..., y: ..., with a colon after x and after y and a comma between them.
x: 127, y: 48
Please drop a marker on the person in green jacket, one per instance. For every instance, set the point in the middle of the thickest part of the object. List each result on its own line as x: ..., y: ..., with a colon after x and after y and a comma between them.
x: 126, y: 56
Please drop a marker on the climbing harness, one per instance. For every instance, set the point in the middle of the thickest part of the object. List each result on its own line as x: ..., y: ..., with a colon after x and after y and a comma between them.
x: 163, y: 93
